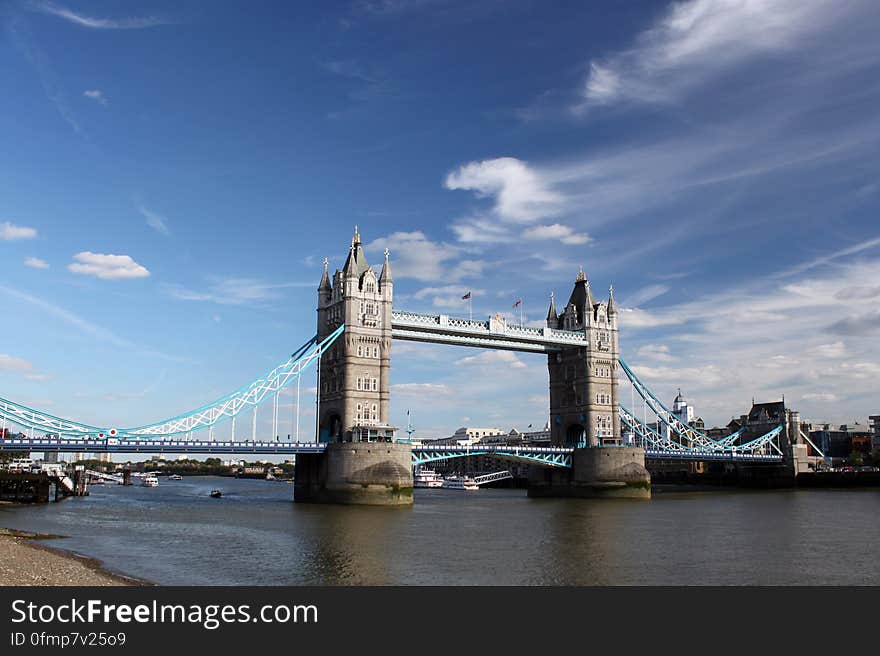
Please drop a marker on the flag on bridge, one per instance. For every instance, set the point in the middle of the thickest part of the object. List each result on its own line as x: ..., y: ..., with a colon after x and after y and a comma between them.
x: 466, y: 296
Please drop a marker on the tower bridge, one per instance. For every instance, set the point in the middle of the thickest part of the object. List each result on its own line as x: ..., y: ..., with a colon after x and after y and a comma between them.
x: 598, y: 447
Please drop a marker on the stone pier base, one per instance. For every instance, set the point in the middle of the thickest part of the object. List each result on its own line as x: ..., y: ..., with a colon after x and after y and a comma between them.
x: 607, y: 472
x: 366, y: 473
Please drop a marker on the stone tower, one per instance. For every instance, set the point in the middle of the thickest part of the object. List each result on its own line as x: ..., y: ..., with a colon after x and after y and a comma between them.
x: 583, y: 381
x: 354, y: 388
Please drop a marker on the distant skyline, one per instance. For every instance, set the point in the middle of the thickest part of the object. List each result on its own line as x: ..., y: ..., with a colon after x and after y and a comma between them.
x: 173, y: 173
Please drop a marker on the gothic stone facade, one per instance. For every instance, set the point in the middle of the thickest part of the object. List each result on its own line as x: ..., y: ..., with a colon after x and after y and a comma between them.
x: 583, y: 381
x: 354, y: 384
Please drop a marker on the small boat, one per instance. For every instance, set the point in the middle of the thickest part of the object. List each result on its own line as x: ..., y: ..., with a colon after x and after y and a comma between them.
x: 150, y: 480
x: 216, y: 494
x: 175, y: 477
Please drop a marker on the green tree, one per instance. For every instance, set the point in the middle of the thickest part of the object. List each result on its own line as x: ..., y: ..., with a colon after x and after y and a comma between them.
x: 856, y: 459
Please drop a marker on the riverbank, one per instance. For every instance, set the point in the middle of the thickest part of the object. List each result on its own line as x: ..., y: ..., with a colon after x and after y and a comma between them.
x: 26, y: 562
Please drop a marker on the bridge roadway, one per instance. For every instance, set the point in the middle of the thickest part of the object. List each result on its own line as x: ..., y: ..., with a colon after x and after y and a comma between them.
x: 542, y: 456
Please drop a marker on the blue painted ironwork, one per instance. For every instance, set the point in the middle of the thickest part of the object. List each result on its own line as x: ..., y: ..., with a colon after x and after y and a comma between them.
x: 221, y: 410
x: 545, y: 456
x: 154, y: 445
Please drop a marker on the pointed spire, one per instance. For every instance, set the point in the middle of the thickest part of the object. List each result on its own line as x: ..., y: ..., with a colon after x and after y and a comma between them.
x: 552, y: 316
x: 590, y: 300
x: 611, y: 308
x: 385, y: 275
x: 356, y: 263
x: 325, y: 279
x: 581, y: 275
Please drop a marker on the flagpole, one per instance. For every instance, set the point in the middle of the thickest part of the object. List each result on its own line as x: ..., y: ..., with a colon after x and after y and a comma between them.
x: 470, y: 307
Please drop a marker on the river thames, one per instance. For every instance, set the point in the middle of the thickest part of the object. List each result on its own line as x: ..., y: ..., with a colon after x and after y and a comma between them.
x: 255, y: 535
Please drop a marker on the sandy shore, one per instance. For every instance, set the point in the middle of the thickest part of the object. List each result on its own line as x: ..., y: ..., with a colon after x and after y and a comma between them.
x: 24, y: 561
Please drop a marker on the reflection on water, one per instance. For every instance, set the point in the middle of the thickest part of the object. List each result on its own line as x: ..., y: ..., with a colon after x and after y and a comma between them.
x: 255, y: 534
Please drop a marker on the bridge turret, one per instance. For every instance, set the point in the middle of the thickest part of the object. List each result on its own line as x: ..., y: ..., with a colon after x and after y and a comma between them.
x: 385, y: 276
x: 552, y: 317
x: 325, y: 289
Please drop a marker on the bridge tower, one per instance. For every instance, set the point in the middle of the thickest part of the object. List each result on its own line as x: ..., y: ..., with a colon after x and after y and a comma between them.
x: 363, y: 464
x: 584, y: 407
x: 583, y: 381
x: 355, y: 387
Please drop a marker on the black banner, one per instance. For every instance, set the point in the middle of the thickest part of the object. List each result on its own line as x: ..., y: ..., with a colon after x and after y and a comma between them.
x: 179, y: 620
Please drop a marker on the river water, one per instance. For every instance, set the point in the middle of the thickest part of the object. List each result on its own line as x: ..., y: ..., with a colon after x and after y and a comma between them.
x: 255, y: 535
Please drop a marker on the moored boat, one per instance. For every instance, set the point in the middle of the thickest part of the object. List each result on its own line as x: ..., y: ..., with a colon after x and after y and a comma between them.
x: 427, y: 478
x: 460, y: 483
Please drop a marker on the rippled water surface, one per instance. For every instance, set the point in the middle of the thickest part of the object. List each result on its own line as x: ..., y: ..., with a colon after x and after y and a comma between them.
x: 255, y: 534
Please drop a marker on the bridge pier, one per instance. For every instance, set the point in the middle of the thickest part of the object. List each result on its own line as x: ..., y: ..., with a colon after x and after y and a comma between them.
x: 362, y: 473
x: 596, y: 472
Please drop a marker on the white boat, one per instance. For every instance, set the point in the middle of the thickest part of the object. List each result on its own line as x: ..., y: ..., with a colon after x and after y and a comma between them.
x: 460, y: 483
x: 150, y: 480
x: 427, y: 478
x: 175, y: 477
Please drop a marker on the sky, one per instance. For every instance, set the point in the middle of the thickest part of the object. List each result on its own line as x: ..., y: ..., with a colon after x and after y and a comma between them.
x: 173, y: 173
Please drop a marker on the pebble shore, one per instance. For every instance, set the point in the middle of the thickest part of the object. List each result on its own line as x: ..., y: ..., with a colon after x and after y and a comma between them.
x: 25, y: 561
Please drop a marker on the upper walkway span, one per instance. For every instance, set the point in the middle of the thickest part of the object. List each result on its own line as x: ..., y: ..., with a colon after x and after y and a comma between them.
x: 495, y: 333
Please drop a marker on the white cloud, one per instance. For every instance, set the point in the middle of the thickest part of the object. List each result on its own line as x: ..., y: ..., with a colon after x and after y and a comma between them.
x: 563, y: 233
x: 481, y: 230
x: 645, y: 294
x: 765, y: 339
x: 156, y: 221
x: 421, y: 390
x: 11, y: 232
x: 107, y: 266
x: 96, y: 23
x: 697, y: 40
x: 36, y: 263
x: 658, y: 352
x: 97, y: 95
x: 11, y: 363
x: 519, y: 192
x: 834, y: 350
x: 825, y: 397
x: 414, y: 255
x: 504, y: 358
x: 447, y: 296
x: 234, y: 291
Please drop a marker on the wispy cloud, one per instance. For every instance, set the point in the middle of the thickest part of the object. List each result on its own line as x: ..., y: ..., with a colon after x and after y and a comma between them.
x: 556, y: 231
x: 155, y: 220
x: 697, y: 40
x: 765, y: 338
x: 82, y: 325
x: 504, y: 358
x: 234, y: 291
x: 129, y: 23
x: 414, y: 255
x: 36, y: 263
x: 97, y: 95
x: 12, y: 363
x: 11, y: 232
x: 107, y: 266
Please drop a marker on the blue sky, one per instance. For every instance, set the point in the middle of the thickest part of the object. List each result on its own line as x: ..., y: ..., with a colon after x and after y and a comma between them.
x: 172, y: 173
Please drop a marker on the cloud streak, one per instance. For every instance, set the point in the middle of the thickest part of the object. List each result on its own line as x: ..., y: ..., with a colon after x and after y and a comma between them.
x: 81, y: 20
